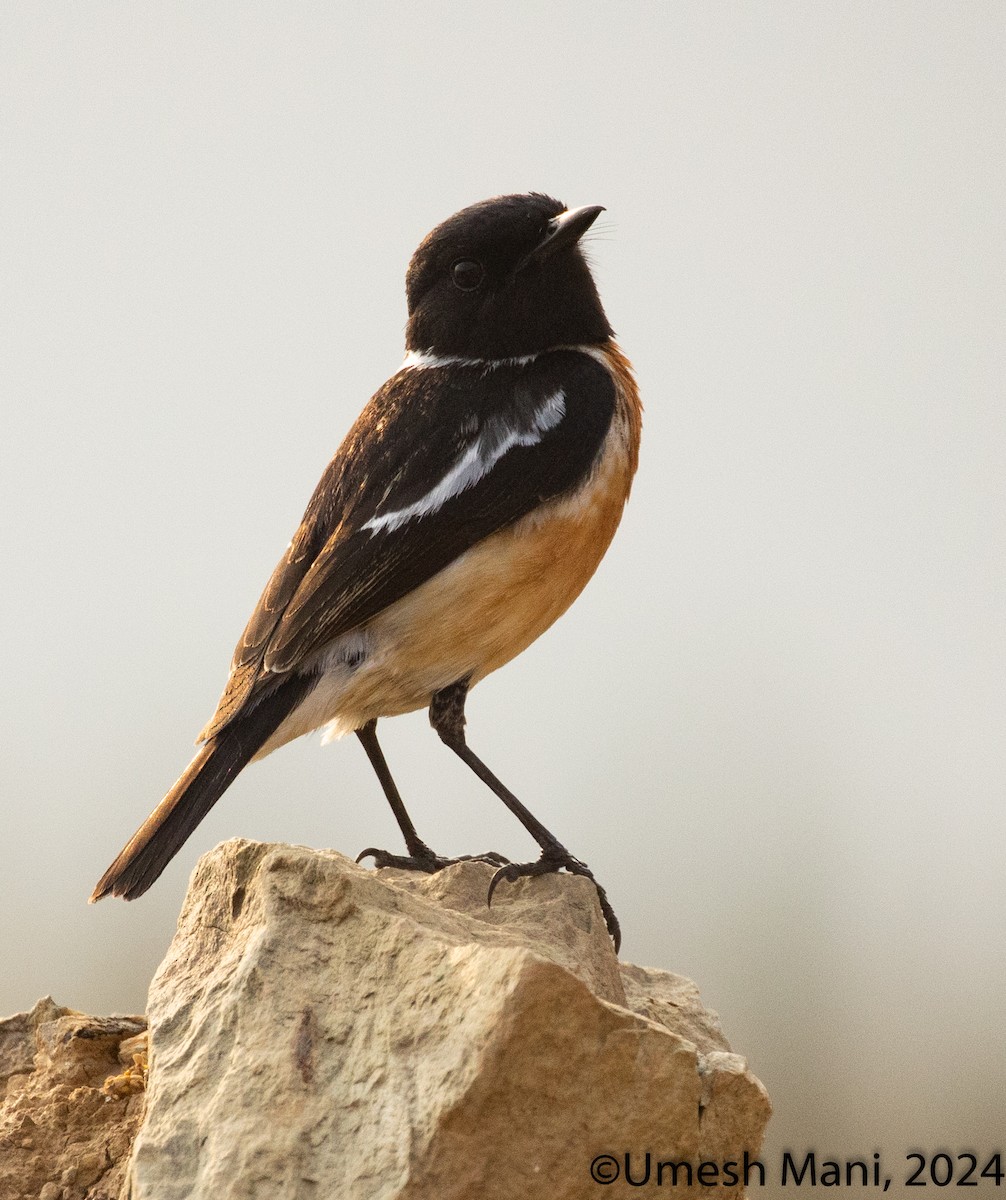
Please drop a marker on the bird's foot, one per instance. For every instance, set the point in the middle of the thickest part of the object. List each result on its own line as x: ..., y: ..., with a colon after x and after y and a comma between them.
x: 558, y: 858
x: 424, y: 859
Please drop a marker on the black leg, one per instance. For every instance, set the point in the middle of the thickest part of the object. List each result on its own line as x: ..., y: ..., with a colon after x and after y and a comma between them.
x: 420, y: 856
x: 368, y: 737
x: 447, y: 716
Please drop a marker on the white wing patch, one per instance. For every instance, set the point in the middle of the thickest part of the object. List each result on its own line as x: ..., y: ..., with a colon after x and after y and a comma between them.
x: 492, y: 442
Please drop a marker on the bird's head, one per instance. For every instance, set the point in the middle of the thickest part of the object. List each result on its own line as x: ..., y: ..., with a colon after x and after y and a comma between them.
x: 504, y: 278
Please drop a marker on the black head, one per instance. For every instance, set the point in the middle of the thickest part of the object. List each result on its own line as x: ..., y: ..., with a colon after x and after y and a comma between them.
x: 504, y: 278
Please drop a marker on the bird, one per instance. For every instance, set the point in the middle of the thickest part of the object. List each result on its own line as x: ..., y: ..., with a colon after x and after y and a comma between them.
x: 466, y: 509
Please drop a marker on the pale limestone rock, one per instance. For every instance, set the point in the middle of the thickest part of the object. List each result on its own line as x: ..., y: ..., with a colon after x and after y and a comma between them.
x: 320, y: 1031
x: 61, y: 1136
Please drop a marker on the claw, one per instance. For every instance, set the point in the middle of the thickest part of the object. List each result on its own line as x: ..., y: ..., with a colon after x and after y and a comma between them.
x: 405, y: 862
x: 548, y: 864
x: 428, y: 862
x: 508, y: 873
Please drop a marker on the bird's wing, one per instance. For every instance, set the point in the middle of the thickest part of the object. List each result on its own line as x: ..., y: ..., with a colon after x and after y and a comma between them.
x: 440, y: 458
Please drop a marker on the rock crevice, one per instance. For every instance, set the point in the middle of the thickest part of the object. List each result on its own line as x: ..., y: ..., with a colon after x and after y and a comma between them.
x: 64, y: 1135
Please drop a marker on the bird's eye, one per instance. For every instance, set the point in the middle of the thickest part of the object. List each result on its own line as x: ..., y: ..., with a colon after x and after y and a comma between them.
x: 467, y: 274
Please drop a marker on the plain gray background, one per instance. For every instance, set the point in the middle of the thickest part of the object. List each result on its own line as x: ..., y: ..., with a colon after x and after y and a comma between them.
x: 774, y: 721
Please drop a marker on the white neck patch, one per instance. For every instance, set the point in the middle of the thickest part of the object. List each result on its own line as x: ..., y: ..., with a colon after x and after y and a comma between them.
x: 424, y: 359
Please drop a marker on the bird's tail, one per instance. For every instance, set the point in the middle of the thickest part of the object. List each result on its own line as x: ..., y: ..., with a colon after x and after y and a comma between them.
x: 203, y: 782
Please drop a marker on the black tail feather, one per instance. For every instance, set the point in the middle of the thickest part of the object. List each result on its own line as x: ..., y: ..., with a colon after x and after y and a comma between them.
x: 203, y: 782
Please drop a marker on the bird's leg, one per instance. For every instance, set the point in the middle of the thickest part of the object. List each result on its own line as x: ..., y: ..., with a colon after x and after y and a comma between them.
x: 447, y: 716
x: 420, y: 856
x: 419, y: 853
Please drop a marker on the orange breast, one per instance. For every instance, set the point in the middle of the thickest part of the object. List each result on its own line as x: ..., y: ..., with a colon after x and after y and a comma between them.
x: 493, y: 601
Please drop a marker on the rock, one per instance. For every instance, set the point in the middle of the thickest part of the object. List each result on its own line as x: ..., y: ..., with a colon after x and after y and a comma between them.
x: 321, y: 1030
x: 61, y: 1136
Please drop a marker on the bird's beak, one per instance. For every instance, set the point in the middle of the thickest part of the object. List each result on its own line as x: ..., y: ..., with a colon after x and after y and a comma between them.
x: 565, y: 229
